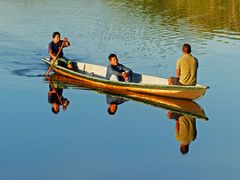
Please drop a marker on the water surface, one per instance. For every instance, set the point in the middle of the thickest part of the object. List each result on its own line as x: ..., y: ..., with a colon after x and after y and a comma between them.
x: 138, y: 142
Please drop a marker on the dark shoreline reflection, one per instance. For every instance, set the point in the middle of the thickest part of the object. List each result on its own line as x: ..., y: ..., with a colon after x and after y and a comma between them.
x: 205, y: 15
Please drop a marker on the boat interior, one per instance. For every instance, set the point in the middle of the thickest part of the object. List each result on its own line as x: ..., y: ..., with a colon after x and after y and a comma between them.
x: 101, y: 71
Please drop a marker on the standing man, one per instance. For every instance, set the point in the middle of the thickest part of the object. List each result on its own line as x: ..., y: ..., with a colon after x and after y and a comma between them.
x: 53, y: 48
x: 186, y: 69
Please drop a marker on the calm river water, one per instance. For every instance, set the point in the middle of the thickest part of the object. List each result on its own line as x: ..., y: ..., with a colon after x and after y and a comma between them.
x: 139, y: 141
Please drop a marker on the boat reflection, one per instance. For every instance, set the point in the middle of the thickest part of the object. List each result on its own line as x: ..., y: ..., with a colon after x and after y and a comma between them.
x: 185, y: 107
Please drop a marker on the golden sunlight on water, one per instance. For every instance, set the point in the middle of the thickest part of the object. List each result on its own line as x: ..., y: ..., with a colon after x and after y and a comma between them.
x: 204, y: 15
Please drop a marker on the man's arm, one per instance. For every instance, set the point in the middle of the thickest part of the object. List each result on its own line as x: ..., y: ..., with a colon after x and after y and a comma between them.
x: 126, y: 73
x: 67, y: 43
x: 51, y: 92
x: 110, y: 72
x: 126, y: 70
x: 178, y: 69
x: 52, y: 55
x: 178, y: 72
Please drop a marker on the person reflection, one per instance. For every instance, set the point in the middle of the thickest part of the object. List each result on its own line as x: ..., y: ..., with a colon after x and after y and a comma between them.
x: 113, y: 103
x: 56, y: 99
x: 186, y: 131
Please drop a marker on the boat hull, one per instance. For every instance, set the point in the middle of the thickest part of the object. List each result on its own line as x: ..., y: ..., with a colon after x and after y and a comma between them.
x: 173, y: 91
x: 180, y: 106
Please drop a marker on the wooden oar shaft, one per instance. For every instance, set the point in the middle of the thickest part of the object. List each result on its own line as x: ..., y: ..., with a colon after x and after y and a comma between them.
x: 52, y: 64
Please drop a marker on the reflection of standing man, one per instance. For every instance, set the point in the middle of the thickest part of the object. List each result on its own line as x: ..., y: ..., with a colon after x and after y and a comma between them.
x: 113, y: 103
x: 186, y: 131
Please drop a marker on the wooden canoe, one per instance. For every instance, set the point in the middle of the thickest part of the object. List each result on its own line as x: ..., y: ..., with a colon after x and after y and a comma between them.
x: 182, y: 106
x: 95, y: 75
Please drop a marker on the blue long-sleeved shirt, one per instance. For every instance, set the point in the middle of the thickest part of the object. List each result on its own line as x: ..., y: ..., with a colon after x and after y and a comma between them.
x: 117, y: 70
x: 116, y: 100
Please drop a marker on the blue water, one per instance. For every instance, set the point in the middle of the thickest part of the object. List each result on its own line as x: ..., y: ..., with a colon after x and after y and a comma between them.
x: 138, y: 142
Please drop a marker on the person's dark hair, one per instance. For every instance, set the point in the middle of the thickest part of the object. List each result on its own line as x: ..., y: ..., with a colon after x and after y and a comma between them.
x: 186, y: 48
x: 184, y: 149
x: 55, y: 33
x: 55, y: 112
x: 112, y: 56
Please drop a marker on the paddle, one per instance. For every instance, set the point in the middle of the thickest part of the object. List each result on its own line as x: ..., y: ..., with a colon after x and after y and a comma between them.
x: 50, y: 68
